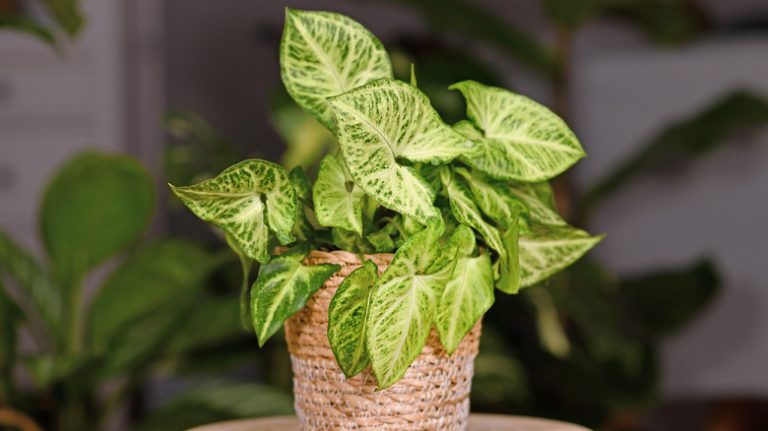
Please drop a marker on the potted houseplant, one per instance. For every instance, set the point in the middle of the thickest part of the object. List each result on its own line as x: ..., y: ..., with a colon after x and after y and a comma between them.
x: 383, y: 268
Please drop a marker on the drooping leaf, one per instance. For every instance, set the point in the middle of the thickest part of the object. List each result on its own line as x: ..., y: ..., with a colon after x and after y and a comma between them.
x: 403, y: 304
x: 347, y: 315
x: 521, y: 139
x: 246, y: 200
x: 509, y: 259
x: 549, y: 249
x: 502, y: 200
x: 548, y: 323
x: 338, y: 201
x: 95, y: 206
x: 324, y: 54
x: 466, y: 211
x: 467, y: 296
x: 36, y: 286
x: 149, y: 280
x: 282, y: 288
x: 217, y: 401
x: 683, y: 142
x: 383, y: 122
x: 246, y: 263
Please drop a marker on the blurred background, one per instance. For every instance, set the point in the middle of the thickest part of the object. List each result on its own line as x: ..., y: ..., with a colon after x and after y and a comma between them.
x: 132, y: 324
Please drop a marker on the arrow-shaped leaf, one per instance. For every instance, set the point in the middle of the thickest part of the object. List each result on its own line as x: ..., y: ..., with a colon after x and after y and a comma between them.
x: 246, y: 200
x: 468, y: 294
x: 347, y: 315
x: 338, y: 201
x: 386, y: 121
x: 521, y: 139
x: 282, y: 288
x: 549, y: 249
x: 402, y: 306
x: 323, y: 54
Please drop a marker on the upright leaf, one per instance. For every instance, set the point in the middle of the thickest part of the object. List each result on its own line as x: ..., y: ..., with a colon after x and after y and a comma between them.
x: 509, y: 260
x: 521, y: 140
x: 235, y: 199
x: 347, y: 315
x: 149, y: 280
x: 282, y: 288
x: 384, y: 122
x: 466, y: 211
x: 36, y: 287
x: 501, y: 200
x: 468, y: 294
x: 95, y: 206
x: 338, y: 201
x: 323, y: 54
x: 403, y: 304
x: 549, y: 249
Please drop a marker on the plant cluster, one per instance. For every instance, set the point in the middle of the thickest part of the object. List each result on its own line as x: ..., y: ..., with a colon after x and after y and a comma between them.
x: 465, y: 208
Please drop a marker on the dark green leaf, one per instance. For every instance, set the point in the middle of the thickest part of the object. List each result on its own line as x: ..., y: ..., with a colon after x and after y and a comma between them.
x: 663, y: 21
x: 95, y: 206
x: 9, y: 319
x: 661, y: 303
x: 67, y: 15
x: 683, y: 142
x: 217, y: 402
x: 154, y: 277
x: 24, y: 25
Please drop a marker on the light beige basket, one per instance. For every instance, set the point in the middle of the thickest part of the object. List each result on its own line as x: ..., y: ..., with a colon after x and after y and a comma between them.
x: 433, y: 395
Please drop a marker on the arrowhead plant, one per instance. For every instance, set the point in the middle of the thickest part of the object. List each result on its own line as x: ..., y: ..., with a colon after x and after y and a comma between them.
x: 465, y: 208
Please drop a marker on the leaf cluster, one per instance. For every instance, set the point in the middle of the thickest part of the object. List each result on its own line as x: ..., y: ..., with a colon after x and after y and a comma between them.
x: 464, y: 207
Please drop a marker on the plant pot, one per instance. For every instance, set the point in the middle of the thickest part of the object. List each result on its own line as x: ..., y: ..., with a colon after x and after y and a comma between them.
x: 433, y: 395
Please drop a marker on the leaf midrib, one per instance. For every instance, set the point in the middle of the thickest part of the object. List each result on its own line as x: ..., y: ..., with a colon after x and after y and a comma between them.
x: 321, y: 55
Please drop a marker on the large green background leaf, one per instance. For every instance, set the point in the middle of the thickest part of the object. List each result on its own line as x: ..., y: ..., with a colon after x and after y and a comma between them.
x: 95, y: 206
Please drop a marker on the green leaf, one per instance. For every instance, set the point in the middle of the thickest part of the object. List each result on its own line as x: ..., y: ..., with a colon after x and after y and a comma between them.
x: 509, y: 260
x: 549, y: 249
x: 502, y: 200
x: 683, y: 142
x: 467, y: 296
x: 466, y: 211
x: 381, y: 240
x: 282, y: 288
x: 36, y: 287
x: 301, y: 185
x: 521, y: 139
x: 217, y: 401
x: 235, y: 199
x: 67, y: 15
x: 306, y: 140
x: 303, y: 229
x: 347, y: 315
x: 149, y: 280
x: 24, y: 25
x: 9, y: 320
x: 402, y: 306
x: 95, y: 206
x: 323, y: 54
x: 338, y: 201
x: 373, y: 139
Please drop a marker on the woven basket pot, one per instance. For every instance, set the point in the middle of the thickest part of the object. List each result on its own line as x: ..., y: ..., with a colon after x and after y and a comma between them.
x: 433, y: 395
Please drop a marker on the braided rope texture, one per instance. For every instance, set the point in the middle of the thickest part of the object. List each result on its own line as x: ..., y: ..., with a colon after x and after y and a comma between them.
x: 433, y: 395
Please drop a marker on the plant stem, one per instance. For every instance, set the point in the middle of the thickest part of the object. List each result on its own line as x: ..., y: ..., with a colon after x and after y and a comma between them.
x: 75, y: 334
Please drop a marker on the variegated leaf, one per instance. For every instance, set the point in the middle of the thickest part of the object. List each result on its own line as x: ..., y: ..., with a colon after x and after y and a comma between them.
x: 246, y: 200
x: 338, y: 201
x: 548, y: 249
x: 323, y: 54
x: 383, y: 122
x: 521, y: 139
x: 347, y: 315
x: 402, y: 306
x: 509, y: 260
x: 468, y: 294
x: 282, y: 288
x: 302, y: 228
x: 466, y: 211
x: 501, y: 200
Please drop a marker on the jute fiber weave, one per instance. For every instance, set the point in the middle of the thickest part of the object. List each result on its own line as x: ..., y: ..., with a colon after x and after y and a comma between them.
x: 433, y: 395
